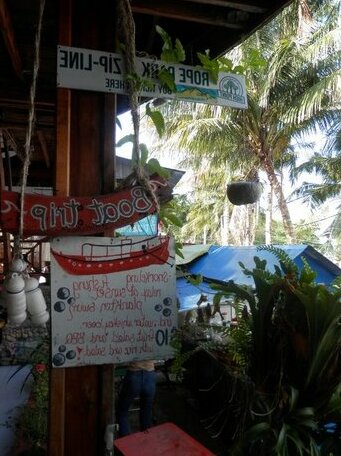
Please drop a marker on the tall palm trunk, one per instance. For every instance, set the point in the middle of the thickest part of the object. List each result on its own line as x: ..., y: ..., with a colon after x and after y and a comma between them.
x: 205, y: 235
x: 224, y: 225
x: 253, y: 213
x: 242, y: 224
x: 268, y: 217
x: 283, y: 207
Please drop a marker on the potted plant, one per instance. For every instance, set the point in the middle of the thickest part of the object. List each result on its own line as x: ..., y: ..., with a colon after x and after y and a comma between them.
x: 244, y: 192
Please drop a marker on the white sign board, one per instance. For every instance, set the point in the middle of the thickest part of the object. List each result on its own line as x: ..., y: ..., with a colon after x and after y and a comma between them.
x: 113, y: 300
x: 87, y: 69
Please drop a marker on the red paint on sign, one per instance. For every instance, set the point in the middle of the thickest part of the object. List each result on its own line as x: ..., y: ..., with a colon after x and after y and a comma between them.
x: 57, y: 215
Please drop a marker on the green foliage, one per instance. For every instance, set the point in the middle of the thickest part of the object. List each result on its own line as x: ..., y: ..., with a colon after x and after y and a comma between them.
x: 216, y: 65
x: 287, y: 349
x: 305, y: 233
x: 126, y: 139
x: 171, y: 53
x: 195, y: 279
x: 211, y: 65
x: 292, y: 436
x: 168, y: 215
x: 239, y: 344
x: 289, y: 268
x: 33, y: 421
x: 175, y: 211
x: 137, y: 83
x: 328, y: 168
x: 308, y: 275
x: 337, y: 283
x: 167, y: 79
x: 180, y: 358
x: 254, y: 59
x: 157, y: 119
x: 152, y: 165
x: 32, y: 424
x: 171, y: 222
x: 293, y: 87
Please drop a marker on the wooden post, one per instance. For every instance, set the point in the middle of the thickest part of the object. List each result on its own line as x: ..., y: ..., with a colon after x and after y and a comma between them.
x: 81, y: 398
x: 6, y: 240
x: 56, y: 441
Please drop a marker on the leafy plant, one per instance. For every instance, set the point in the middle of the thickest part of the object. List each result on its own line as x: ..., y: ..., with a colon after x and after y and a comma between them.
x: 157, y: 119
x: 288, y: 353
x: 216, y: 65
x: 171, y: 53
x: 33, y: 421
x: 32, y: 424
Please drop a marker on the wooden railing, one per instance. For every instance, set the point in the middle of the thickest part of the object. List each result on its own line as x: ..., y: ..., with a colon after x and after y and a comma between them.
x: 32, y: 251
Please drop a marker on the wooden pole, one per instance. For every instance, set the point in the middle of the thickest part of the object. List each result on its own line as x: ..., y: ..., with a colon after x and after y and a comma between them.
x: 56, y: 441
x: 6, y: 239
x: 84, y: 167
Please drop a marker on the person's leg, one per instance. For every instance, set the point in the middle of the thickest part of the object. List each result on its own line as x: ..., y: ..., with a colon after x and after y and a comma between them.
x: 130, y: 389
x: 147, y: 399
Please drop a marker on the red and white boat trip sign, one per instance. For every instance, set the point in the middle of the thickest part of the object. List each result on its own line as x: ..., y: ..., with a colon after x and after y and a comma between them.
x: 113, y: 300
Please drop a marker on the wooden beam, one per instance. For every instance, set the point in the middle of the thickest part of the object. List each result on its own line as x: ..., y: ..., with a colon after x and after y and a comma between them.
x: 43, y: 145
x: 249, y: 7
x: 9, y: 38
x: 88, y: 155
x: 25, y: 104
x: 56, y: 443
x: 57, y: 413
x: 83, y: 415
x: 182, y: 12
x: 108, y: 172
x: 11, y: 139
x: 63, y: 135
x: 16, y: 125
x: 5, y: 238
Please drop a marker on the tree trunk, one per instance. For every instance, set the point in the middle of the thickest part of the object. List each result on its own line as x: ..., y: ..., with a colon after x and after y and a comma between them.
x: 234, y: 225
x: 268, y: 217
x: 205, y: 235
x: 224, y: 226
x: 283, y: 207
x: 253, y: 210
x: 239, y: 225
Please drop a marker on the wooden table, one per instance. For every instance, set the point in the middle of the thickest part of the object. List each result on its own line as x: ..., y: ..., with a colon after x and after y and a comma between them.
x: 163, y: 440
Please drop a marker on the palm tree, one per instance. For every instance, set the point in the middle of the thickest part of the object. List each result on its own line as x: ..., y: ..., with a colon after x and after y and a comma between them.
x: 329, y: 169
x: 199, y: 226
x: 289, y: 93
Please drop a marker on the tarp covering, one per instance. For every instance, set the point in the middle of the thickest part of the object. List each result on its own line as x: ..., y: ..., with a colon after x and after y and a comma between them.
x: 222, y: 264
x: 189, y: 294
x: 191, y: 253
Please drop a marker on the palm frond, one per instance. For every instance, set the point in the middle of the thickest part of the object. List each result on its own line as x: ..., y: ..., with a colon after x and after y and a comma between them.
x: 287, y: 264
x: 324, y: 92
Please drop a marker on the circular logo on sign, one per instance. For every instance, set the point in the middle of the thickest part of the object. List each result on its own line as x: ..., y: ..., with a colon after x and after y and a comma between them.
x: 231, y: 85
x: 232, y: 89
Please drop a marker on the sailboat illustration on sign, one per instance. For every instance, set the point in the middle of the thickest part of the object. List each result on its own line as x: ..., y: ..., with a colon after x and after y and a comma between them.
x: 121, y: 256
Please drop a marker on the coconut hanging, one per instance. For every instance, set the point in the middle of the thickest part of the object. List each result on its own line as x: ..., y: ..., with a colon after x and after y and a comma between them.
x: 244, y: 192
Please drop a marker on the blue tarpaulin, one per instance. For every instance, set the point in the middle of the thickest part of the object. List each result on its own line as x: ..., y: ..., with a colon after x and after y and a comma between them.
x: 221, y: 264
x: 189, y: 294
x: 144, y: 227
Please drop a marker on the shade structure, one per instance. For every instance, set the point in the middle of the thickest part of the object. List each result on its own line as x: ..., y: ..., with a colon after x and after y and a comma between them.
x: 221, y: 264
